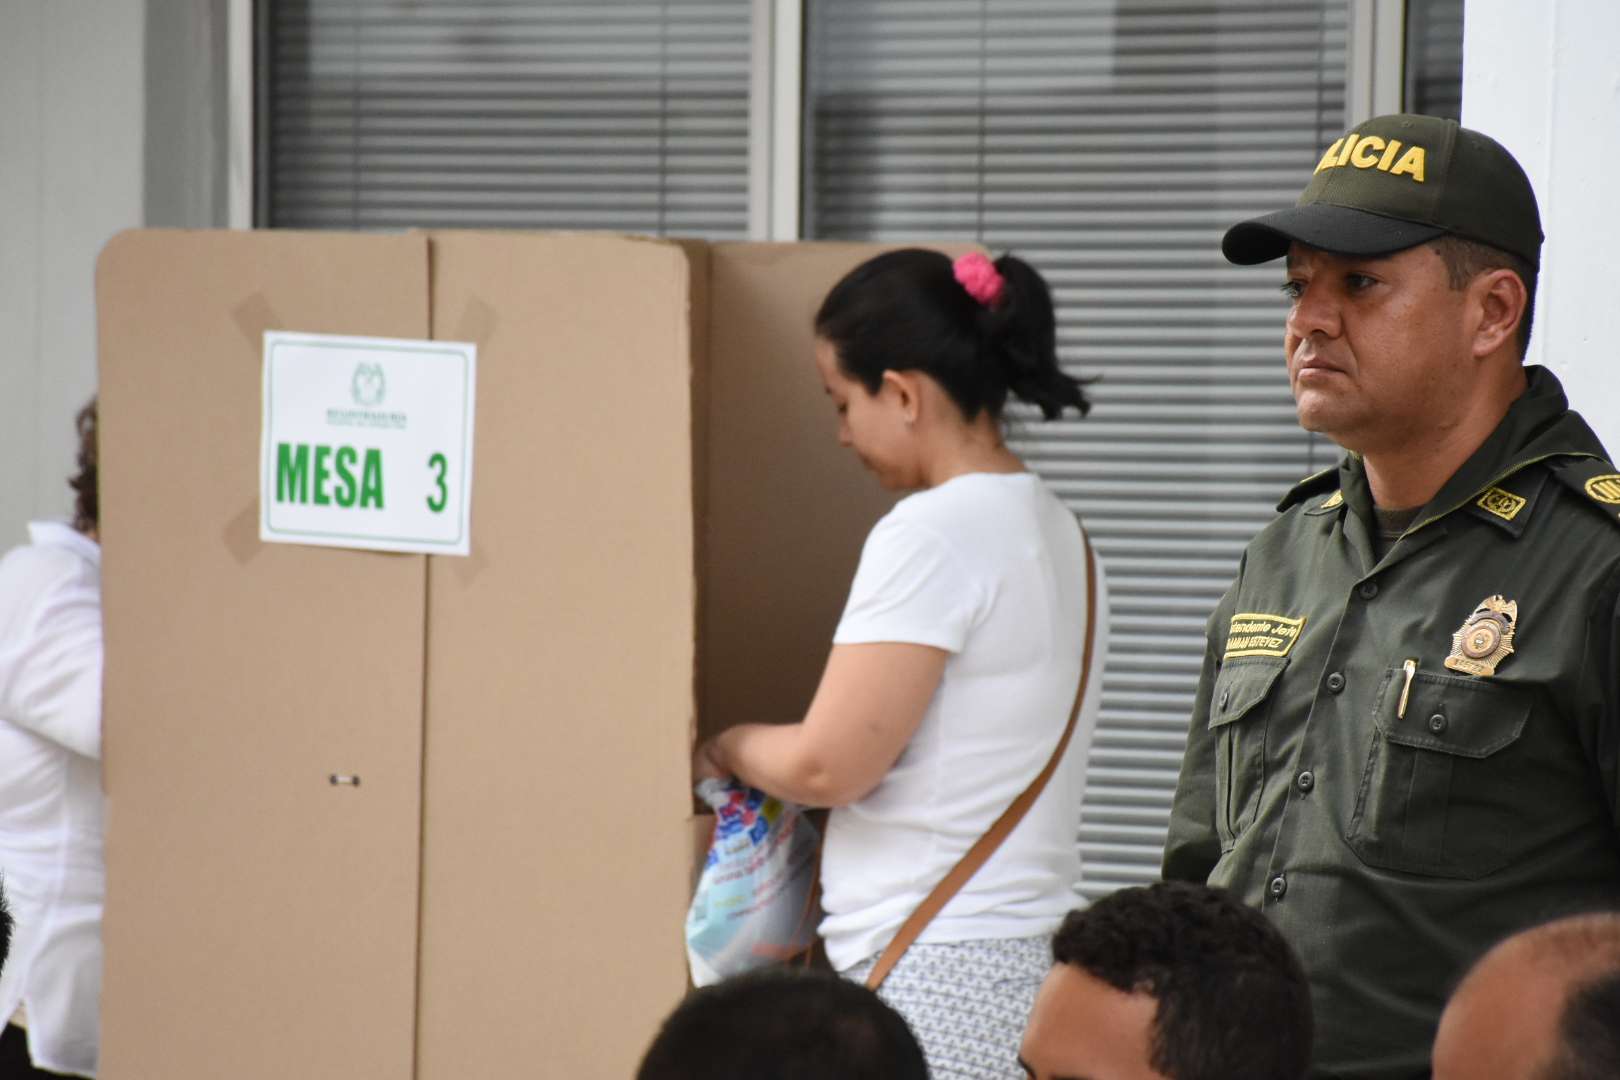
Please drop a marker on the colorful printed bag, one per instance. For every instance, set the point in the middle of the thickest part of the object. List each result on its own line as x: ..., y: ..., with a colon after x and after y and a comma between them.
x: 756, y: 901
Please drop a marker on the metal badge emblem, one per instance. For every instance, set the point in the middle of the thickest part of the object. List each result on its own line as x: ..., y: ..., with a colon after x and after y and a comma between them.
x: 1485, y: 638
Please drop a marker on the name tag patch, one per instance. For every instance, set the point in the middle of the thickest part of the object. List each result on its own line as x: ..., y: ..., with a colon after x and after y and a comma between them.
x: 1258, y: 634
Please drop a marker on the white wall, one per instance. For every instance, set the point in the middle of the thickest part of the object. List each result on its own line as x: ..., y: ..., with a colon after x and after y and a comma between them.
x: 1542, y: 79
x: 111, y: 116
x: 71, y: 135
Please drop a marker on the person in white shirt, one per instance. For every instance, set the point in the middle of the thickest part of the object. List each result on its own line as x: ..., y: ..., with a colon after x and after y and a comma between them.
x: 50, y: 787
x: 955, y: 666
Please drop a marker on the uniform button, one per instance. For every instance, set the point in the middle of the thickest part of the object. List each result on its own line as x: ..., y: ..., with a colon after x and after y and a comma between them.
x: 1335, y: 682
x: 1437, y: 723
x: 1279, y: 886
x: 1306, y: 781
x: 1226, y: 695
x: 1368, y: 590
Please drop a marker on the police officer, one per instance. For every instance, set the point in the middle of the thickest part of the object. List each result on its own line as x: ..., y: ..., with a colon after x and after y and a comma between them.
x: 1405, y: 741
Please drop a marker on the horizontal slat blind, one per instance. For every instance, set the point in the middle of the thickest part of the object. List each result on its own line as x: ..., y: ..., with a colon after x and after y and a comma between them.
x: 1110, y: 143
x: 526, y: 114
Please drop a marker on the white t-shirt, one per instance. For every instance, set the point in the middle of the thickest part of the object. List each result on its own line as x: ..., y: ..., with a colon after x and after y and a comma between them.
x: 991, y: 568
x: 50, y: 792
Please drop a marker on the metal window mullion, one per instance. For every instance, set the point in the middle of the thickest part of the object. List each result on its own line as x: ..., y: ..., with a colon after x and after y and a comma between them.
x: 787, y: 123
x: 775, y: 104
x: 241, y: 98
x: 1375, y: 59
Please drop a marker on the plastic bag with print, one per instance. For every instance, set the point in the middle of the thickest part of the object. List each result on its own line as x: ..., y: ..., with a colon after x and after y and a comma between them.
x: 756, y: 902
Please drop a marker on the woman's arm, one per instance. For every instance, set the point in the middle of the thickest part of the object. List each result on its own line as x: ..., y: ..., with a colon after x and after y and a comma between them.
x: 54, y: 689
x: 868, y: 705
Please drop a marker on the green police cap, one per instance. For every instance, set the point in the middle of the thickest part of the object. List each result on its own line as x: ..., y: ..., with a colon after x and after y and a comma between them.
x: 1397, y: 181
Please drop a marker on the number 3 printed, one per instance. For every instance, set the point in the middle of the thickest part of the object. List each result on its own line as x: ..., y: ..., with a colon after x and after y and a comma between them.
x: 439, y: 502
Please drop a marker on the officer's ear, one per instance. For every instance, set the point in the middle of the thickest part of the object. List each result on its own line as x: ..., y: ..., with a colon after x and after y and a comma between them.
x: 1500, y: 299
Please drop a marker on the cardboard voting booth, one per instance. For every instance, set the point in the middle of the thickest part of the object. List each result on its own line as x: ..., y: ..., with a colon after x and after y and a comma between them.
x: 400, y: 815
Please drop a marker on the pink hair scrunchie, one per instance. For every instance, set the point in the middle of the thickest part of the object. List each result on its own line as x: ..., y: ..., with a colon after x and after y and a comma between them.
x: 979, y: 276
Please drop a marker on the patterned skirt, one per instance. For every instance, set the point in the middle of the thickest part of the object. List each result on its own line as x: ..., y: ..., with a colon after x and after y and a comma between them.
x: 967, y: 1002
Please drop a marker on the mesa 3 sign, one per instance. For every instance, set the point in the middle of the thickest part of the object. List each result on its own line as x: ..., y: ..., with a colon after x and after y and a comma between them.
x: 367, y: 443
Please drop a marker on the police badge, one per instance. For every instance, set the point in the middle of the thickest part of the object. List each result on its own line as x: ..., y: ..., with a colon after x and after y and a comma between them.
x: 1485, y: 638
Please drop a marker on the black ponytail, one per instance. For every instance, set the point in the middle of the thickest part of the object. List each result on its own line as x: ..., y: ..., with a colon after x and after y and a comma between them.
x: 905, y: 311
x: 1022, y: 337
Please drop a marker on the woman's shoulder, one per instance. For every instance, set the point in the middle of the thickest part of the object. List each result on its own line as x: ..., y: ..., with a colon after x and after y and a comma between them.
x: 984, y: 506
x: 53, y: 559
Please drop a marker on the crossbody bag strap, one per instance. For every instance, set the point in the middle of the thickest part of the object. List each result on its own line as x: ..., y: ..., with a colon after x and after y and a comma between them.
x: 987, y: 844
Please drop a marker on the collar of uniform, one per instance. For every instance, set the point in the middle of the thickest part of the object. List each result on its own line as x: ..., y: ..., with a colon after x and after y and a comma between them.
x: 1324, y: 481
x: 1510, y: 503
x: 1538, y: 426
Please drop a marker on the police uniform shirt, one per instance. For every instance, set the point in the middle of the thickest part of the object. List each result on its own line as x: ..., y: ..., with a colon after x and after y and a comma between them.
x: 1403, y: 759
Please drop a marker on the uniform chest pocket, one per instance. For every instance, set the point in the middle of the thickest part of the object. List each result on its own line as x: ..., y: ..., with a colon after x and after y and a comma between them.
x: 1238, y: 714
x: 1431, y: 796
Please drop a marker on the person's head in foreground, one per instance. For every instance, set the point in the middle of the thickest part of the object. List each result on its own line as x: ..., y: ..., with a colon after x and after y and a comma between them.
x: 1542, y: 1005
x: 1169, y: 982
x: 1412, y: 258
x: 784, y: 1024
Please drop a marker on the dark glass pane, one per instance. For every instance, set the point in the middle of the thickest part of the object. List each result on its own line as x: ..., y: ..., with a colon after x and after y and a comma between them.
x: 1434, y: 57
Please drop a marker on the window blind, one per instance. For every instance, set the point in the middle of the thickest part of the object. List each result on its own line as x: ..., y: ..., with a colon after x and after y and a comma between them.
x: 628, y: 116
x: 1110, y: 144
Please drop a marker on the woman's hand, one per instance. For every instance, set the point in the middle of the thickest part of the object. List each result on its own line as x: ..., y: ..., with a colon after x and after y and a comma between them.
x: 869, y: 703
x: 707, y: 762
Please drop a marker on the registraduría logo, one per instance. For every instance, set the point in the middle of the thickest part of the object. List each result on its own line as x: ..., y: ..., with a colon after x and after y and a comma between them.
x: 369, y: 385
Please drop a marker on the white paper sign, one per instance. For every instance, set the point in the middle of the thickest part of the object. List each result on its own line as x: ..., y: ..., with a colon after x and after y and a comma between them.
x: 367, y: 443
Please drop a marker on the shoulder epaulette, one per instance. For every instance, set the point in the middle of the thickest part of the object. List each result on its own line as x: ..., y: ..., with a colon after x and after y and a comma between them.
x: 1595, y: 480
x: 1326, y: 480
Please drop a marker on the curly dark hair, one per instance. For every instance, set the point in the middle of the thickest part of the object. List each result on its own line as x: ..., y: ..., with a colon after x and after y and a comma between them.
x: 86, y: 502
x: 1232, y: 997
x: 5, y: 925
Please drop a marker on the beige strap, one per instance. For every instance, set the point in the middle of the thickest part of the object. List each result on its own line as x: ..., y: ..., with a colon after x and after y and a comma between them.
x: 987, y: 844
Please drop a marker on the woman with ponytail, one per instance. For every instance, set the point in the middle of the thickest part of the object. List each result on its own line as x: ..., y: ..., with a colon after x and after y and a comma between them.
x: 953, y: 673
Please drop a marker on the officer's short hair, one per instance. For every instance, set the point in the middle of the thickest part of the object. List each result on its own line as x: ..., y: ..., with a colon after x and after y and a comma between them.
x: 1466, y: 259
x: 787, y: 1024
x: 1232, y: 996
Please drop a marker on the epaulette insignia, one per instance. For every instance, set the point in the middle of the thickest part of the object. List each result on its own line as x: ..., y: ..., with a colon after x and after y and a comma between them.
x: 1605, y: 488
x: 1595, y: 479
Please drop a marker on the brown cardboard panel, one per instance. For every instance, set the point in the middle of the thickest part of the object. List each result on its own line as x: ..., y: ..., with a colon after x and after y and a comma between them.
x: 788, y: 508
x: 559, y: 691
x: 700, y: 312
x: 260, y: 921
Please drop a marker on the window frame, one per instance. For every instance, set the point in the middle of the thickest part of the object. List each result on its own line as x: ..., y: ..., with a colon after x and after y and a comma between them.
x: 1375, y: 81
